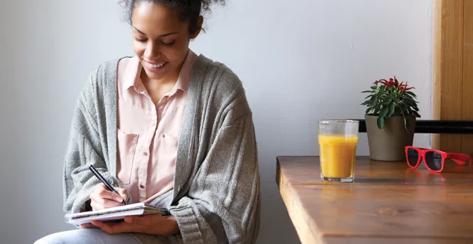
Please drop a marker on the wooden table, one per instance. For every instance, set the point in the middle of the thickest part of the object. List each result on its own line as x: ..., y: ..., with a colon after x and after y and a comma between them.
x: 388, y: 203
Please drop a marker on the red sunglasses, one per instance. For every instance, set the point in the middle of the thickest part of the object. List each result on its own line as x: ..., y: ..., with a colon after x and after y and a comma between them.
x: 434, y: 160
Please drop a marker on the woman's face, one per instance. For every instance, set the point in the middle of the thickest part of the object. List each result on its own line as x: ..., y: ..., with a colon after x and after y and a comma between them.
x: 160, y: 40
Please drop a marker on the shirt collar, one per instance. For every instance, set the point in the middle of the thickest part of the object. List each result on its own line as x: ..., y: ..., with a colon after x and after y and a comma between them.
x: 131, y: 75
x: 183, y: 80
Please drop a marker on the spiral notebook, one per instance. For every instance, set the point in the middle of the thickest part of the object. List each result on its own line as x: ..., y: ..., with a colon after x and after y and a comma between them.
x: 114, y: 213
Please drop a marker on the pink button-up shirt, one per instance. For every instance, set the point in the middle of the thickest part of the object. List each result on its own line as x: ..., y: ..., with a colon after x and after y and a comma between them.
x: 148, y: 133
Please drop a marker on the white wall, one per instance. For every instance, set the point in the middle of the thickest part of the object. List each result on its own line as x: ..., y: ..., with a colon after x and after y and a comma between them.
x: 300, y: 61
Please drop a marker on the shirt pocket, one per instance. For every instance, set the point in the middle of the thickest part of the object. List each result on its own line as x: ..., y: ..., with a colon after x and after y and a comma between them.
x: 126, y: 152
x: 166, y: 151
x: 170, y: 143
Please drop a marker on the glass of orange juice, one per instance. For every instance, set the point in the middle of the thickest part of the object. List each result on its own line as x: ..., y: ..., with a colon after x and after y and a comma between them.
x: 337, y: 141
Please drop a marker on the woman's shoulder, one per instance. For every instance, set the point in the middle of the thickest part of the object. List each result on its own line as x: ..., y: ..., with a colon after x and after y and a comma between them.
x: 102, y: 80
x: 217, y: 75
x: 221, y: 86
x: 105, y: 74
x: 111, y: 67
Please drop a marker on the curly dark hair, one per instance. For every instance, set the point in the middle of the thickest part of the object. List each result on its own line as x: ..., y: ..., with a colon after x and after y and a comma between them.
x: 189, y: 10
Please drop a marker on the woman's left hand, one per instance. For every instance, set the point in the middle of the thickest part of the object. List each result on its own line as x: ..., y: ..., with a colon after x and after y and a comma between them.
x: 154, y: 224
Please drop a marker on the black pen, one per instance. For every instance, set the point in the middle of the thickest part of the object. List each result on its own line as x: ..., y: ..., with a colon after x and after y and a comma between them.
x: 105, y: 182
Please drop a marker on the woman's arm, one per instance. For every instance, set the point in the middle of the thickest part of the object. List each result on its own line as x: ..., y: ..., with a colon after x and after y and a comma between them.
x: 84, y: 148
x: 222, y: 205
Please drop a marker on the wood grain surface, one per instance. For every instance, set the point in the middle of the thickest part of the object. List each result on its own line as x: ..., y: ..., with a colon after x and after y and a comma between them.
x: 453, y: 70
x: 388, y: 203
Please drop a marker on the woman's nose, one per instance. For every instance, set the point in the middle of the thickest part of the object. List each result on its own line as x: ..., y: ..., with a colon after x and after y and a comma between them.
x: 152, y: 50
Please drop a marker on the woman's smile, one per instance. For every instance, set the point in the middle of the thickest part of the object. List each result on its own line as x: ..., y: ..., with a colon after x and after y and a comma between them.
x: 154, y: 67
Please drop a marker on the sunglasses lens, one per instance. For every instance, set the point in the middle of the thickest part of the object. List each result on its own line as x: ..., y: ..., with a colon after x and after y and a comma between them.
x: 433, y: 160
x: 412, y: 157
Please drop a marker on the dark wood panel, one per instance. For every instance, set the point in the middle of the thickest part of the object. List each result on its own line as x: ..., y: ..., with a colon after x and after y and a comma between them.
x: 436, y: 126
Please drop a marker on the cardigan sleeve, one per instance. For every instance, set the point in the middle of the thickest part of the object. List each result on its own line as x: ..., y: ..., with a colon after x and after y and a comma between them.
x: 222, y: 205
x: 84, y: 148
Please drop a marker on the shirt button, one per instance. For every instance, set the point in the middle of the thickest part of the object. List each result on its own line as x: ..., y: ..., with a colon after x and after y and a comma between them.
x: 164, y: 135
x: 142, y: 186
x: 145, y: 153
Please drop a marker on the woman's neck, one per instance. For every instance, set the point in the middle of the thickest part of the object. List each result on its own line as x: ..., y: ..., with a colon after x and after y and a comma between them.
x: 157, y: 88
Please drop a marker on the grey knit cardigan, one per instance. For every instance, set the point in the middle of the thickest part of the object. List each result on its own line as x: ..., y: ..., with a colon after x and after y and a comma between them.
x: 216, y: 185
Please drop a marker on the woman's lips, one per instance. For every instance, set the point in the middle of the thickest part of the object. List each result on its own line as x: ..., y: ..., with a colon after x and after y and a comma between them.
x: 155, y: 67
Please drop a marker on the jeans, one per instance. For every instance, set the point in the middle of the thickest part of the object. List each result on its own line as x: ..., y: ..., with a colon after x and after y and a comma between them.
x: 96, y: 236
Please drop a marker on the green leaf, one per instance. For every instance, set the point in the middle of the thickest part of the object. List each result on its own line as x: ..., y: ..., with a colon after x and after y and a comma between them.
x: 384, y: 112
x: 391, y: 110
x: 388, y: 102
x: 405, y: 123
x: 380, y: 122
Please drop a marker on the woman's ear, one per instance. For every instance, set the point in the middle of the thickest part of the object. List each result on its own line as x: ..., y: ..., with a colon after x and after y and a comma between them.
x: 198, y: 27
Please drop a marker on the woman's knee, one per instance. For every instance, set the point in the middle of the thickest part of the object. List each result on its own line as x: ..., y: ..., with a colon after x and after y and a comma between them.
x: 52, y: 239
x: 89, y: 236
x: 69, y: 237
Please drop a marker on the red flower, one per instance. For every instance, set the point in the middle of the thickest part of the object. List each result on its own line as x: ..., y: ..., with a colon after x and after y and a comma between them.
x: 394, y: 83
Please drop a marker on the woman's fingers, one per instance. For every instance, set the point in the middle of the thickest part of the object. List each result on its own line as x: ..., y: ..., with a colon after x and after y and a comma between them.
x: 123, y: 194
x: 114, y: 228
x: 102, y: 198
x: 102, y: 192
x: 88, y: 225
x: 104, y: 203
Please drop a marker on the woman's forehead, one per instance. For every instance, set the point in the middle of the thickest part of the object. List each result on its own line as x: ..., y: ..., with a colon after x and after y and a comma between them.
x: 156, y: 19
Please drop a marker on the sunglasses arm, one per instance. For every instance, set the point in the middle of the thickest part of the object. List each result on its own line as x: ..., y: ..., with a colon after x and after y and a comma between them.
x: 460, y: 158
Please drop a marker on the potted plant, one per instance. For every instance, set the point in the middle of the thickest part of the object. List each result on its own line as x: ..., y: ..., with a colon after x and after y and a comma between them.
x: 390, y: 118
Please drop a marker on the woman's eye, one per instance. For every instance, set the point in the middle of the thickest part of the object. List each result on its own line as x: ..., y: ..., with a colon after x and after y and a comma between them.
x: 140, y: 39
x: 168, y: 43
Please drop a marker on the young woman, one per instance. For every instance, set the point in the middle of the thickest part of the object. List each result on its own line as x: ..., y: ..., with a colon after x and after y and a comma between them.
x: 167, y: 127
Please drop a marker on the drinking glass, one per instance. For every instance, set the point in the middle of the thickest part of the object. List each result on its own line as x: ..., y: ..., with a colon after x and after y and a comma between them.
x: 337, y: 140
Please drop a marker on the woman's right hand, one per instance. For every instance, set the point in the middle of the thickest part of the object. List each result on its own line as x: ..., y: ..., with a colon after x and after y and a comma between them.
x: 102, y: 198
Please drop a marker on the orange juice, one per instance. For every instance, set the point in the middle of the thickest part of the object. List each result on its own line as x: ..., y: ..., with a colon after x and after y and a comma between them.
x: 337, y: 155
